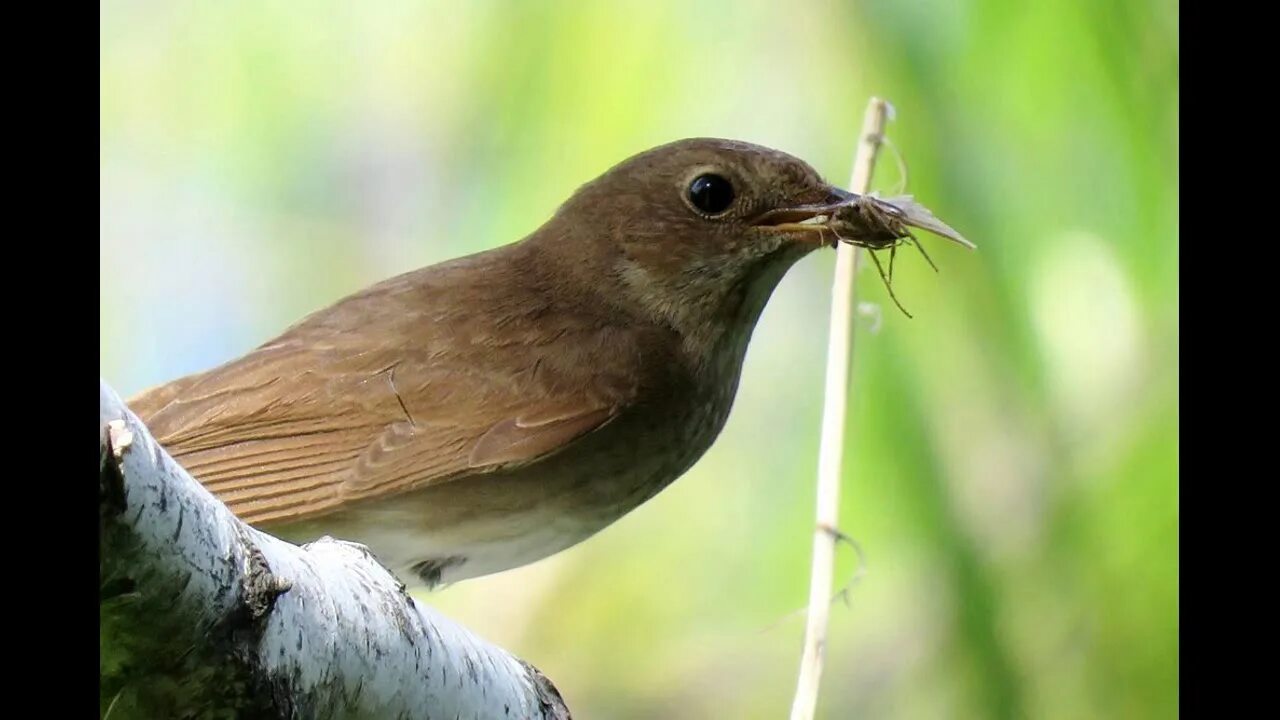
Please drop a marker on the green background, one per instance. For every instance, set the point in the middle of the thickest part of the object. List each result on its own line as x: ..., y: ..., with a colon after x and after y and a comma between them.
x: 1011, y: 464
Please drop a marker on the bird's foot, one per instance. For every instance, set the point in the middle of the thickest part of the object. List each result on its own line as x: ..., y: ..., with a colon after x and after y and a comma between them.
x: 431, y: 571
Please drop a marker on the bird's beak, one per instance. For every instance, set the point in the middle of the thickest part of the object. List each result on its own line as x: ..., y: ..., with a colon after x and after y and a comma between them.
x: 877, y: 217
x: 810, y: 216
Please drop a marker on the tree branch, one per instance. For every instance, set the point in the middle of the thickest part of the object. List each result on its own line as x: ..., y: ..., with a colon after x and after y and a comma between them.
x: 203, y: 616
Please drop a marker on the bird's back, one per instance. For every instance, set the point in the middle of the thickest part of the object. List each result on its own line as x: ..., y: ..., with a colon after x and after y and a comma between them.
x: 461, y: 368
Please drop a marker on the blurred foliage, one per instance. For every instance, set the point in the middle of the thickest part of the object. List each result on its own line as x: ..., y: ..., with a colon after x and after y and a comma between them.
x: 1012, y: 453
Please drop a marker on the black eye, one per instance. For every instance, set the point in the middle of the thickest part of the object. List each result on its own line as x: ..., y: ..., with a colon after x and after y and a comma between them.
x: 711, y: 194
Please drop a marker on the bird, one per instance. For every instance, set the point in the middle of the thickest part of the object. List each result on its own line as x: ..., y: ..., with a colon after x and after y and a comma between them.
x: 489, y: 411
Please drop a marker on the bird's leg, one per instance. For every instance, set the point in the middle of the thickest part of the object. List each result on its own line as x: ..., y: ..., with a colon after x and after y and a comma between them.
x: 431, y: 571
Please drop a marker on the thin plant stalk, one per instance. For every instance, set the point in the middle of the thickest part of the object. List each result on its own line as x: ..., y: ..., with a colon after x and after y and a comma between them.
x: 831, y: 448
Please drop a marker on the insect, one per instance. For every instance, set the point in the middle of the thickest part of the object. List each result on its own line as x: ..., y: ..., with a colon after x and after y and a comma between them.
x: 883, y: 224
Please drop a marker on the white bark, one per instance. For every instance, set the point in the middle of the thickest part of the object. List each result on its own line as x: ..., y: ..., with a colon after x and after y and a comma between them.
x: 203, y: 616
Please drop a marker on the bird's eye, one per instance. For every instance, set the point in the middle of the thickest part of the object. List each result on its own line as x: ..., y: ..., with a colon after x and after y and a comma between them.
x: 711, y: 194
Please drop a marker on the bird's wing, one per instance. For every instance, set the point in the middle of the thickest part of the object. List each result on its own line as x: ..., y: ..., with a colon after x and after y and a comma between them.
x: 302, y: 426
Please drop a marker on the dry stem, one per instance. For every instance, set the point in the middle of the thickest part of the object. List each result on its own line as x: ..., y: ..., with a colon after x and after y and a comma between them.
x: 831, y: 449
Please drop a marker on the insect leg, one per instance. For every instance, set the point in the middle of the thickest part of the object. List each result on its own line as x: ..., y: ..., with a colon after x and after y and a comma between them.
x: 888, y: 286
x: 822, y: 235
x: 919, y: 246
x: 902, y: 165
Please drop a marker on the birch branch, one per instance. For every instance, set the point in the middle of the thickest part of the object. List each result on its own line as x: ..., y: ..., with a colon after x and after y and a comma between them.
x: 203, y: 616
x: 831, y: 448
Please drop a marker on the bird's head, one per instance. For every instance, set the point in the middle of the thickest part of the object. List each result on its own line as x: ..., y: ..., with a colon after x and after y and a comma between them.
x: 696, y: 233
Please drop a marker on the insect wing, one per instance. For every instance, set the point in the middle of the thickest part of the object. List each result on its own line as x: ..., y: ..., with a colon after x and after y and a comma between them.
x: 916, y: 215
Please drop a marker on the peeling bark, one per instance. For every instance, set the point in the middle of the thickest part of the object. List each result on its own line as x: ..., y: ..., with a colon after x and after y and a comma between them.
x: 202, y: 616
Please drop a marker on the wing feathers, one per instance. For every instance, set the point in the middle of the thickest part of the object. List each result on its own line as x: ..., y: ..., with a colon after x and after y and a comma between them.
x: 513, y: 441
x: 271, y: 460
x: 321, y: 417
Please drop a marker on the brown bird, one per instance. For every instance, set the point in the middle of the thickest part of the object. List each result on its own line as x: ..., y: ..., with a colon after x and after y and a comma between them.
x: 489, y: 411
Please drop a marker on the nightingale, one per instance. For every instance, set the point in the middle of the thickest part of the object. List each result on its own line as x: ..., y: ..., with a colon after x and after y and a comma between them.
x: 489, y: 411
